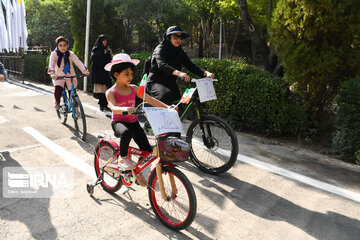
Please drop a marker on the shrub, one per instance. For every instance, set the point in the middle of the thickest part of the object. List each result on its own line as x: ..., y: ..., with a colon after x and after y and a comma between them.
x: 346, y: 139
x: 139, y: 68
x: 35, y: 67
x: 317, y: 52
x: 250, y: 98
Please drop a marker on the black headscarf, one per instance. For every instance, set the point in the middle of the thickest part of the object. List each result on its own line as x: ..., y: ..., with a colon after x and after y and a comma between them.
x: 61, y: 55
x: 167, y: 38
x: 99, y: 46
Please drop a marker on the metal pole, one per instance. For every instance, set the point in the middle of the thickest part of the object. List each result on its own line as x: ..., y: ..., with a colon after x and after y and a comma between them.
x: 220, y: 35
x: 87, y: 39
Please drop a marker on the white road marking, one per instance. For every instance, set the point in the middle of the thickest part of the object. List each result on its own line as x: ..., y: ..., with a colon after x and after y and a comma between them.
x: 29, y: 87
x: 292, y: 175
x: 69, y: 158
x: 21, y: 94
x: 3, y: 120
x: 301, y: 178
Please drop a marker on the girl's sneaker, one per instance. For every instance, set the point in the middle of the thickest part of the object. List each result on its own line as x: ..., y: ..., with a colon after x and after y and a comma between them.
x: 126, y: 164
x: 56, y: 105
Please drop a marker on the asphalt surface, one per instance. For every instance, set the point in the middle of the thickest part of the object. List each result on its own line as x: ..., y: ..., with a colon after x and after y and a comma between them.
x: 274, y: 191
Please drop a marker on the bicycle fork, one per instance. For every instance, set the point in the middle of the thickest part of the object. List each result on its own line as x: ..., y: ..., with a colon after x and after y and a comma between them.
x: 174, y: 190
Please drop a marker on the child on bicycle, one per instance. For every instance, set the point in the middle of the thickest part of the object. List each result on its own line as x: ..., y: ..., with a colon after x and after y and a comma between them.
x: 121, y: 98
x: 61, y: 64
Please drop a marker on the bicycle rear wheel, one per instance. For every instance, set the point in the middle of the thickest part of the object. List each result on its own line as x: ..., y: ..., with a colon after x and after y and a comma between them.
x: 110, y: 182
x: 62, y: 111
x: 178, y: 210
x: 79, y: 119
x: 214, y: 148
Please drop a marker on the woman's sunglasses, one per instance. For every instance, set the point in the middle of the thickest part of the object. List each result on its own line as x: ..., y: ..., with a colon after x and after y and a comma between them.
x: 177, y: 37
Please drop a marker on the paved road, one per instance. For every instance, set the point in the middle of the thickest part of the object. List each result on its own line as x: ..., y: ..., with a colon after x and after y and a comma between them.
x: 273, y: 191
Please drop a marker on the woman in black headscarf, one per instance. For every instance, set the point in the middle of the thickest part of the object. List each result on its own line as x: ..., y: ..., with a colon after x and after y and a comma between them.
x: 100, y: 56
x: 166, y: 63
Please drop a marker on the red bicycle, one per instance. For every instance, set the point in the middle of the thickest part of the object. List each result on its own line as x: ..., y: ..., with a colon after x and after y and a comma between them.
x: 170, y: 192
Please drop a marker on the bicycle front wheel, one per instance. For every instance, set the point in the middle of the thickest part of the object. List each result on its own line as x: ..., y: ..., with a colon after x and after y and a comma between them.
x: 62, y: 111
x: 178, y: 209
x: 79, y: 119
x: 214, y: 146
x: 110, y: 182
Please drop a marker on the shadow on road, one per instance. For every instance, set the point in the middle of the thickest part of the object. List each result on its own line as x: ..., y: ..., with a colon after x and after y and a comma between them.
x: 270, y: 206
x: 33, y: 212
x: 147, y: 215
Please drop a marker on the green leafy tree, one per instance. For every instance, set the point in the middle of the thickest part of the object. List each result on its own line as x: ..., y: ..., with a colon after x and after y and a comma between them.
x: 206, y: 14
x: 46, y: 20
x: 104, y: 20
x: 153, y: 15
x: 316, y: 41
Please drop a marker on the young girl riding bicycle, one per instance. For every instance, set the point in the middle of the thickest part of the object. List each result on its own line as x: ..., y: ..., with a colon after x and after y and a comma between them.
x: 121, y: 99
x: 61, y: 64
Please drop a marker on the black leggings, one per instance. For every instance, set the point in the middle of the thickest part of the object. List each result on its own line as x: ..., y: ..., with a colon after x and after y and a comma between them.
x: 127, y: 131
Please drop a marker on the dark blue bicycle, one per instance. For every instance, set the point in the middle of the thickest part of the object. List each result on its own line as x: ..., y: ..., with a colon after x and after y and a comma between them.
x: 72, y: 105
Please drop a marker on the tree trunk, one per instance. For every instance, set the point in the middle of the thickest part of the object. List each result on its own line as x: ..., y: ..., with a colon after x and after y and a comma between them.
x: 235, y: 37
x: 270, y: 11
x: 225, y: 45
x: 201, y: 55
x: 258, y: 42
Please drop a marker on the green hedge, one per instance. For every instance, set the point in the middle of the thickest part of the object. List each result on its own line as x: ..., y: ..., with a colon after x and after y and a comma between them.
x: 346, y: 139
x: 139, y: 68
x: 35, y: 67
x: 253, y: 99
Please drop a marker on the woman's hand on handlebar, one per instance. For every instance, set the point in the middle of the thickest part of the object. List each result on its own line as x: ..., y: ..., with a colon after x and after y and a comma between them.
x: 209, y: 74
x: 184, y: 76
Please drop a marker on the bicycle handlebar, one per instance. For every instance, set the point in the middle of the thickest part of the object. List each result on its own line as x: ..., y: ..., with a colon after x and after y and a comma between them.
x: 181, y: 80
x: 133, y: 113
x: 71, y: 77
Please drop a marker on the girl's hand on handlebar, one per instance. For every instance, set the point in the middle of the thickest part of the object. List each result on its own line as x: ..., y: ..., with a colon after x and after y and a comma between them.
x: 130, y: 110
x: 86, y: 72
x: 53, y: 77
x: 173, y: 107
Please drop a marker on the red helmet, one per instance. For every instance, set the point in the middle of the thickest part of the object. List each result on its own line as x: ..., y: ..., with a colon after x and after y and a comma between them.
x: 173, y: 149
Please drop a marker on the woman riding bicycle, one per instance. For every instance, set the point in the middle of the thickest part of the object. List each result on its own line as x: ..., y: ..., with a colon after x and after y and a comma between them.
x: 166, y: 63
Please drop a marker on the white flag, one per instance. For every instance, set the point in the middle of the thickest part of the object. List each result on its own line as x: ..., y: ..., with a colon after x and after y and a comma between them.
x: 16, y: 24
x: 24, y: 33
x: 9, y: 24
x: 4, y: 41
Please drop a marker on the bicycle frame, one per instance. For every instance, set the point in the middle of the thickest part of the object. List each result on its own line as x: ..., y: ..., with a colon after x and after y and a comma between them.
x: 194, y: 100
x: 146, y: 159
x: 69, y: 102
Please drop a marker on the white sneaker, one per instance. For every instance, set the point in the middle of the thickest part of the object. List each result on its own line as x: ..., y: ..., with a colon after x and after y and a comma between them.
x: 126, y: 164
